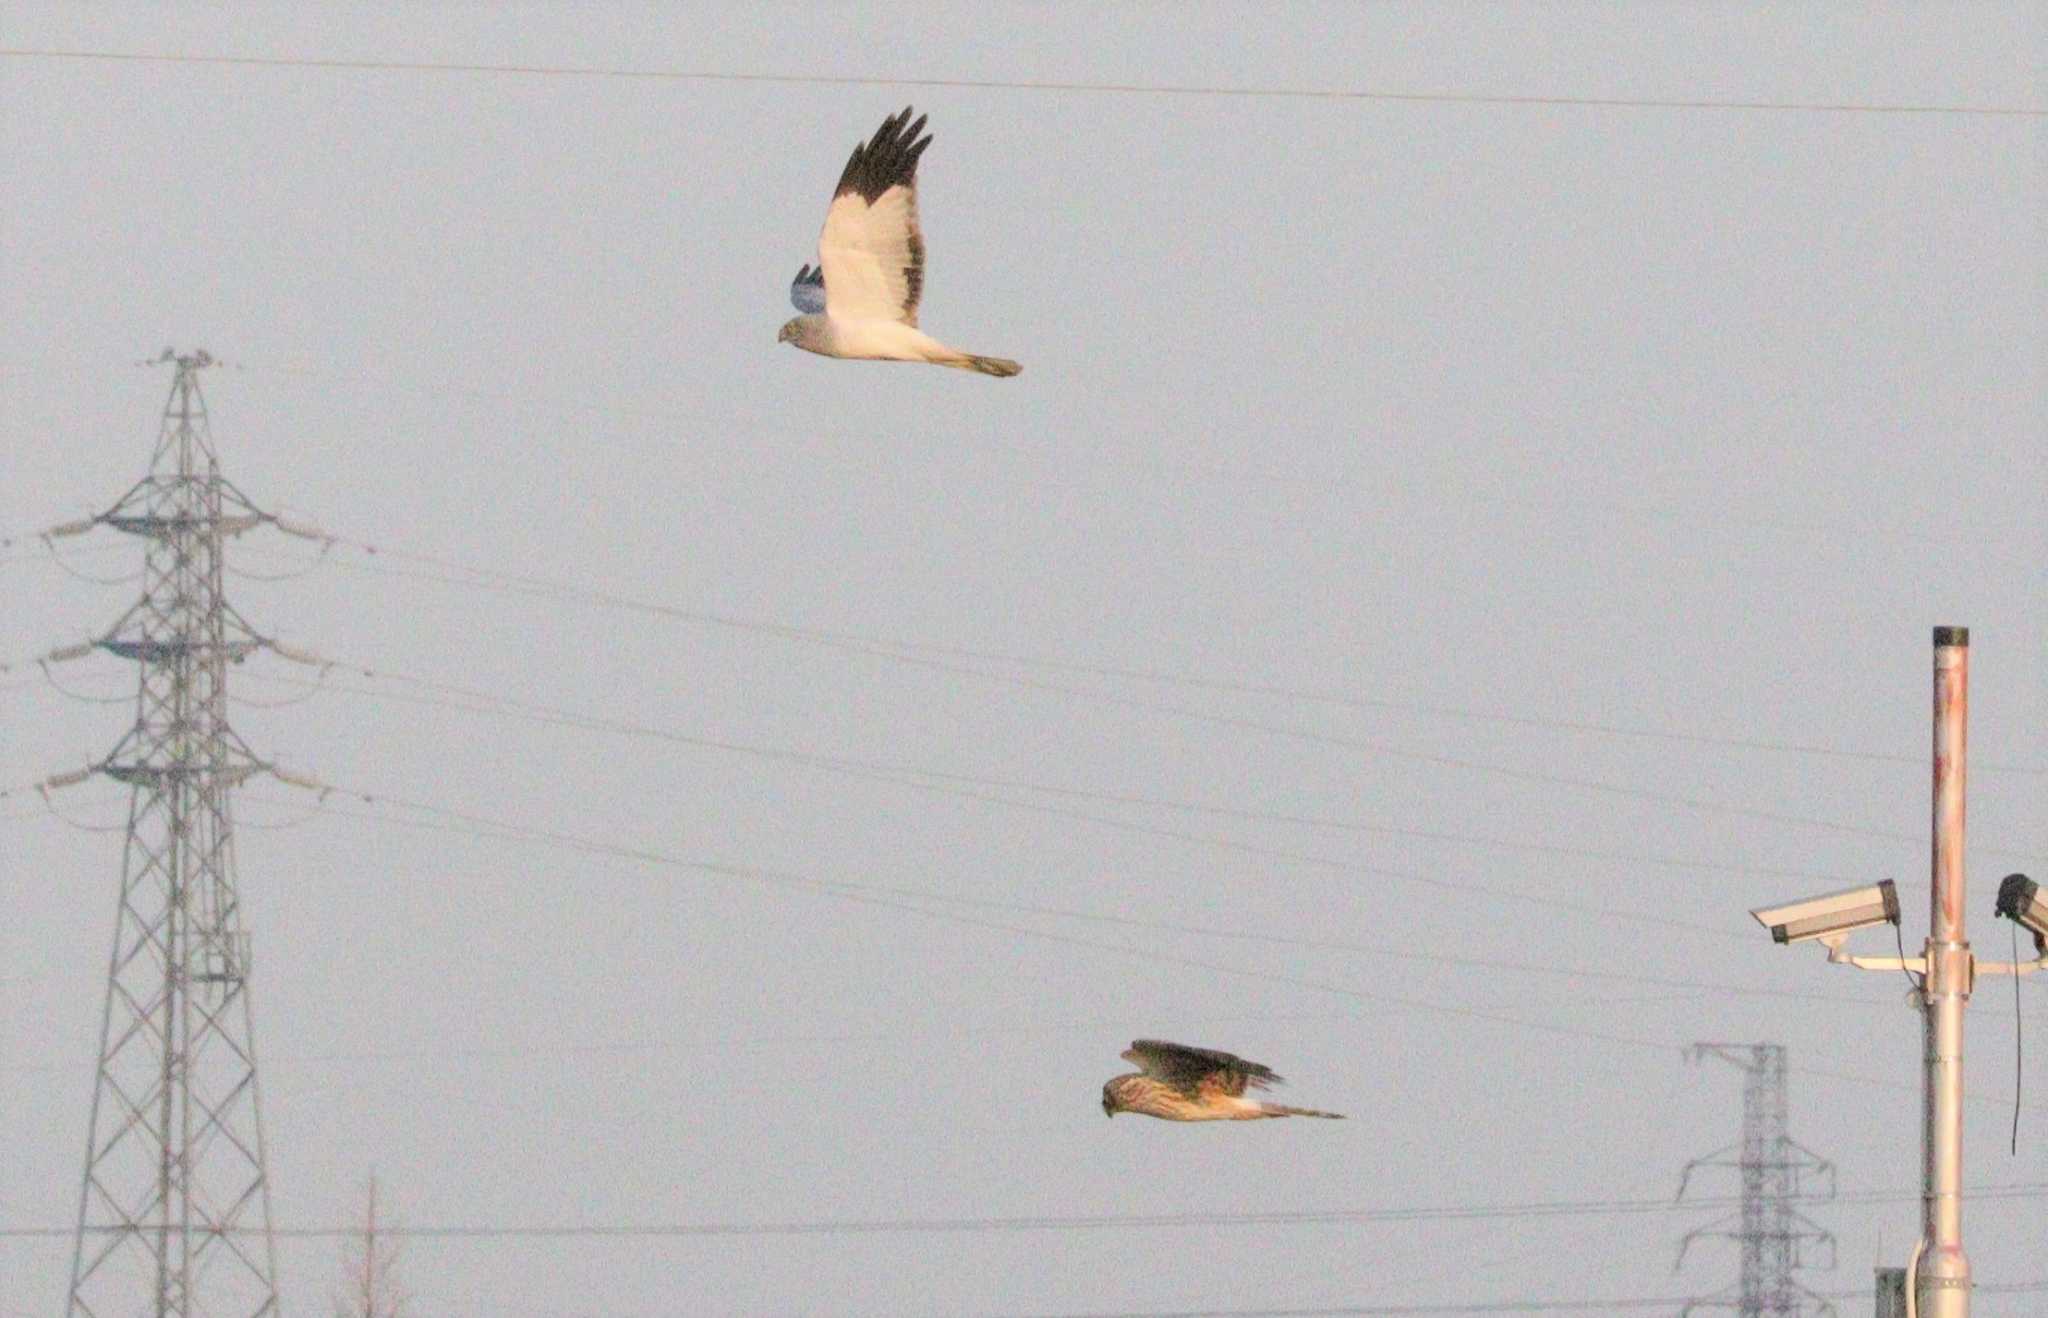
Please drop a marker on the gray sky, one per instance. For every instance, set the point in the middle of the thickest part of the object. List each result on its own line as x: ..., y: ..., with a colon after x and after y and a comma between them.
x: 1510, y: 425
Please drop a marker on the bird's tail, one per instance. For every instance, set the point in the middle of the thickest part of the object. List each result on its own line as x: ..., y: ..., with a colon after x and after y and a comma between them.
x: 999, y: 367
x: 1282, y: 1110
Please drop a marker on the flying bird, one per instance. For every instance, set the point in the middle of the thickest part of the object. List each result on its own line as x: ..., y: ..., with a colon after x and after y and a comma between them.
x: 862, y: 299
x: 1178, y: 1083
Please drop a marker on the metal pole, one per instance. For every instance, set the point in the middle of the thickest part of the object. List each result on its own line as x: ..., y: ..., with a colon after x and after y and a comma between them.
x: 1943, y: 1283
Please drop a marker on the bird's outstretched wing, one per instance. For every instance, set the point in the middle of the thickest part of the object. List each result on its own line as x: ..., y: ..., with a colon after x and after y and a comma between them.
x: 871, y: 252
x: 1193, y: 1069
x: 807, y: 290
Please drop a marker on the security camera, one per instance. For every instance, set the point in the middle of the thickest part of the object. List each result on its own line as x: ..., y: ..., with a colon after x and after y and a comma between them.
x: 2021, y: 899
x: 1831, y: 917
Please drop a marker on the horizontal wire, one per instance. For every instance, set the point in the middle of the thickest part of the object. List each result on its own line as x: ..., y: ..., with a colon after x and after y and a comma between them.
x: 1657, y: 1303
x: 726, y: 1044
x: 957, y: 785
x: 1389, y: 951
x: 462, y: 823
x: 884, y: 647
x: 1156, y: 466
x: 474, y: 577
x: 1080, y: 1222
x: 1465, y: 887
x: 506, y: 707
x: 1032, y: 85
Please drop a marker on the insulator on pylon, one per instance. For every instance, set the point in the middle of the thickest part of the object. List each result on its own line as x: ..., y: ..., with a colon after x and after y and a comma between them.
x: 299, y: 529
x: 70, y: 528
x: 290, y: 779
x: 298, y: 656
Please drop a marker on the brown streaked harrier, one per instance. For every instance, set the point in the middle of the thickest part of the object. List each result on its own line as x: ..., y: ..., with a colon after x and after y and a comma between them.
x: 861, y: 302
x: 1177, y: 1083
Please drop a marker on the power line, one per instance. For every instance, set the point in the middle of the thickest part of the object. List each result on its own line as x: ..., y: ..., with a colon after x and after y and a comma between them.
x: 901, y: 773
x: 1168, y: 468
x: 908, y: 651
x: 947, y: 782
x: 1662, y: 1303
x: 461, y: 823
x: 476, y: 577
x: 1391, y: 951
x: 1080, y: 1222
x: 1241, y: 92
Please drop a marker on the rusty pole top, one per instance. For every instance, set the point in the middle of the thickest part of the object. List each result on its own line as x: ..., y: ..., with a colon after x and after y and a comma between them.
x: 1951, y: 750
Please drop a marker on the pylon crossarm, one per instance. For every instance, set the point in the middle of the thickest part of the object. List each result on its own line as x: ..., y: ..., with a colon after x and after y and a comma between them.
x: 2015, y: 968
x: 1718, y: 1158
x: 1716, y: 1229
x: 1810, y: 1230
x: 1814, y: 1162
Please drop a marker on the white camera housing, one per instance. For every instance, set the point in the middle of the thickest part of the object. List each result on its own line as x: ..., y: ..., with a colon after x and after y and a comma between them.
x: 1833, y: 916
x: 2020, y: 899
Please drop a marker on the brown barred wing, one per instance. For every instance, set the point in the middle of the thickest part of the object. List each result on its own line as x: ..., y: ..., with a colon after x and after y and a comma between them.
x: 1193, y: 1070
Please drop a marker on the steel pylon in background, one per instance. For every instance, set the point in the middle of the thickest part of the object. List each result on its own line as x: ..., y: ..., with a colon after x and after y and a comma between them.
x: 174, y: 1209
x: 1774, y: 1169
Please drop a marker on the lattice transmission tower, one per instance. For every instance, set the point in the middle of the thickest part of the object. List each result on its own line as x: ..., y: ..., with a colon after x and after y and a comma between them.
x: 1776, y: 1239
x: 174, y: 1209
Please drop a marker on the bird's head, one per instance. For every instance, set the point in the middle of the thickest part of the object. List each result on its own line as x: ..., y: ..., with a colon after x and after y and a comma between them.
x: 1110, y: 1107
x: 792, y: 332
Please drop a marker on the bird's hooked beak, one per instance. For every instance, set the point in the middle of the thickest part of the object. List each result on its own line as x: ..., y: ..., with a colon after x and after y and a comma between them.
x: 1108, y: 1108
x: 788, y: 332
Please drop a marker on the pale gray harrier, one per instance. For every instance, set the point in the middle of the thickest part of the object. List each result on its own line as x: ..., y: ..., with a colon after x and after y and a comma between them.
x: 1179, y: 1083
x: 862, y: 299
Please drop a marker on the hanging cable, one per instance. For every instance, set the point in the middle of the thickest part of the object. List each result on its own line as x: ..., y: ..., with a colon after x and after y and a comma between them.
x: 311, y: 689
x: 267, y: 577
x: 123, y: 579
x: 2019, y: 1056
x: 1912, y: 985
x: 64, y: 655
x: 312, y: 565
x: 58, y: 782
x: 312, y: 812
x: 1238, y: 92
x: 79, y: 824
x: 80, y: 696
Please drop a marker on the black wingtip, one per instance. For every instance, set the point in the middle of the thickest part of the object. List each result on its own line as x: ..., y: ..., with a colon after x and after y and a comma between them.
x: 886, y: 160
